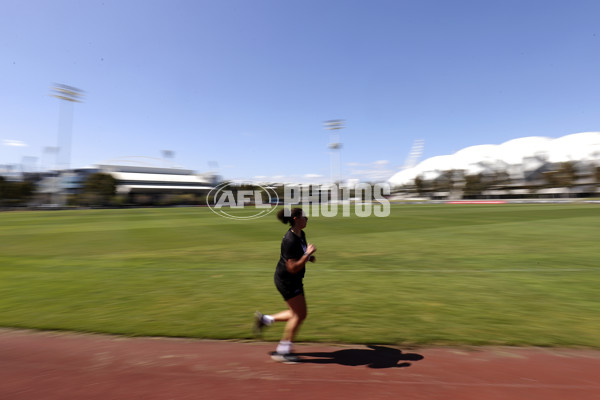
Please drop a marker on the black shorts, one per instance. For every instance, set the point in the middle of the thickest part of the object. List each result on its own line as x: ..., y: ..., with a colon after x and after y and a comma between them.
x: 289, y: 290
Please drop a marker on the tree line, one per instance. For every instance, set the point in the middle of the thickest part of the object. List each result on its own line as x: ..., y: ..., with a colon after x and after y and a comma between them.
x: 97, y: 190
x: 15, y: 193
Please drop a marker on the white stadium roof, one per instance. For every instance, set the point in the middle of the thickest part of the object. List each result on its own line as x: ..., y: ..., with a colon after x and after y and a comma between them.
x: 515, y: 156
x: 140, y: 177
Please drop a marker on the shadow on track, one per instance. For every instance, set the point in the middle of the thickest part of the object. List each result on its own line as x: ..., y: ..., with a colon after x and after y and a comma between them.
x: 373, y: 357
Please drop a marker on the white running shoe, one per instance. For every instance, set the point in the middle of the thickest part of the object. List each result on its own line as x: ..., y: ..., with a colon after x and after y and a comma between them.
x: 287, y: 358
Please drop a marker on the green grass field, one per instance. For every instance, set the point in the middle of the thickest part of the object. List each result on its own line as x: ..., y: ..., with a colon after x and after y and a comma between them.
x: 426, y: 275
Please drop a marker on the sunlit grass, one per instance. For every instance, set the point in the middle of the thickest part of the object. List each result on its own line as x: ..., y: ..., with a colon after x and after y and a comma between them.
x: 428, y: 274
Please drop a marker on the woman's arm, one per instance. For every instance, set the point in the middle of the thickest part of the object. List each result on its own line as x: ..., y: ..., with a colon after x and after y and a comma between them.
x: 293, y: 266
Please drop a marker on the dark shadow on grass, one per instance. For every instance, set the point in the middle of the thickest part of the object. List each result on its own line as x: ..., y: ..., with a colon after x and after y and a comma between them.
x: 373, y: 357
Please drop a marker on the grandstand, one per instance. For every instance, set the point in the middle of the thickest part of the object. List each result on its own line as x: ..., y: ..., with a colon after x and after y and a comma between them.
x: 152, y: 180
x: 568, y: 166
x: 136, y: 183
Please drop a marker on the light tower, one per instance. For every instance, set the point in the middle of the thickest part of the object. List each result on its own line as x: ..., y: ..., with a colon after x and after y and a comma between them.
x: 415, y: 152
x: 335, y: 146
x: 68, y: 95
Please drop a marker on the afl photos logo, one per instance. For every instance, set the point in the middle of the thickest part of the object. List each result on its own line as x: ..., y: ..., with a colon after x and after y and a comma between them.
x: 227, y: 200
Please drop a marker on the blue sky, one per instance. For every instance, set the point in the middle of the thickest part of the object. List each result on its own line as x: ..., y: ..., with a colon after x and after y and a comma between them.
x: 245, y: 85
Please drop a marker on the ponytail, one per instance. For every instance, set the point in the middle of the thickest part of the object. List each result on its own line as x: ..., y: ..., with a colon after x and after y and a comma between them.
x: 287, y: 216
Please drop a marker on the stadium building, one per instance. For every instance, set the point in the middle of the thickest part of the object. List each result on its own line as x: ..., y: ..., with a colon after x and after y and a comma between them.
x: 535, y: 166
x: 137, y: 184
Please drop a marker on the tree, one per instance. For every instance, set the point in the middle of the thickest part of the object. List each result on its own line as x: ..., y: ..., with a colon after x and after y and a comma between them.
x: 25, y: 190
x: 99, y: 188
x: 567, y: 174
x: 474, y: 185
x: 15, y: 193
x: 564, y: 176
x: 2, y: 188
x: 420, y: 185
x: 498, y: 179
x: 446, y: 180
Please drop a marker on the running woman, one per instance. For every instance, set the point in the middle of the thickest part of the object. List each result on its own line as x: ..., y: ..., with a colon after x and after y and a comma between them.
x: 295, y: 253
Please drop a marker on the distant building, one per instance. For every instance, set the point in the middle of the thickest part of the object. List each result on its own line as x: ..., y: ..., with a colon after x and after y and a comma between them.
x: 152, y: 180
x: 528, y: 166
x: 137, y: 184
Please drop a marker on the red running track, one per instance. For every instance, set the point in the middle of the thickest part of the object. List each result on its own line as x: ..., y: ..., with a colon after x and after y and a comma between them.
x: 65, y: 366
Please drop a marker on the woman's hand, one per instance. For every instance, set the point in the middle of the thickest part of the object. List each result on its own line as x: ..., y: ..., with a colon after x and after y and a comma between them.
x: 293, y: 266
x: 310, y: 249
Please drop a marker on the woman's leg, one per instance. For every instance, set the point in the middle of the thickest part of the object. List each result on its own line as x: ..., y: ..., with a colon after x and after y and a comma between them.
x: 296, y: 315
x: 282, y: 315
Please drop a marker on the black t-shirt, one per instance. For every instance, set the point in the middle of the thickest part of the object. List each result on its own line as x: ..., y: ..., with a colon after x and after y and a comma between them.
x: 292, y: 247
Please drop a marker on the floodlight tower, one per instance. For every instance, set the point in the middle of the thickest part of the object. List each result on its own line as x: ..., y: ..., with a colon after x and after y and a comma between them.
x: 415, y: 153
x: 68, y: 95
x: 335, y: 146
